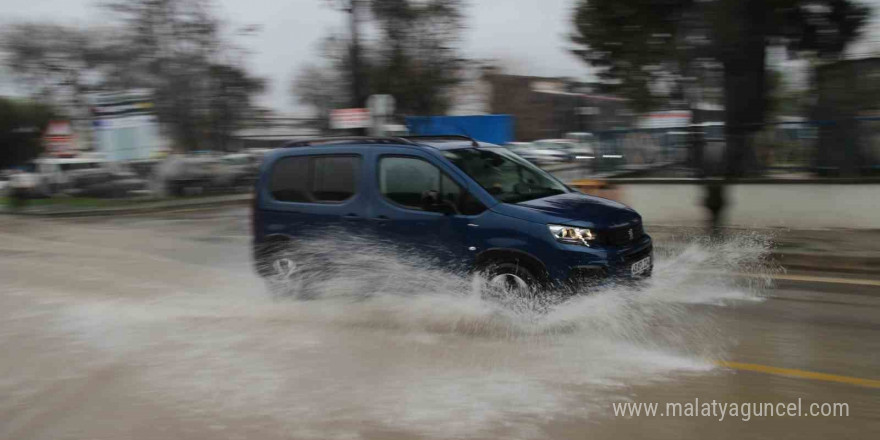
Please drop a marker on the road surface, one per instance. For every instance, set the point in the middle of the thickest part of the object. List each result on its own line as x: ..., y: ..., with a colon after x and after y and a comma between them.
x: 146, y: 327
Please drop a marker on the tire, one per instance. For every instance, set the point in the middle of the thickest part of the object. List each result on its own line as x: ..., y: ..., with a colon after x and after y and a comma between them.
x: 510, y: 281
x: 280, y: 270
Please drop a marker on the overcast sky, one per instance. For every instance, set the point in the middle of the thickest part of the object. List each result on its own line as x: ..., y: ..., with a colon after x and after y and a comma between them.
x: 526, y: 36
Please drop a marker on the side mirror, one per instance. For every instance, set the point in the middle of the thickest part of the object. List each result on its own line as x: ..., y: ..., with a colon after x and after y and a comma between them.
x: 431, y: 202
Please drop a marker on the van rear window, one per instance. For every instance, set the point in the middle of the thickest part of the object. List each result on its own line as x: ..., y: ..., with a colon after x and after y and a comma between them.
x: 289, y: 180
x: 315, y: 179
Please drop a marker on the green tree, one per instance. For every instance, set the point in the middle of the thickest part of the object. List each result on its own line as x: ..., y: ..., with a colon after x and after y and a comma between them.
x: 649, y: 50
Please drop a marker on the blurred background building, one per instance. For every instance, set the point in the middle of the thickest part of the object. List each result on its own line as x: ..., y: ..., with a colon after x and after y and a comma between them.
x: 552, y: 107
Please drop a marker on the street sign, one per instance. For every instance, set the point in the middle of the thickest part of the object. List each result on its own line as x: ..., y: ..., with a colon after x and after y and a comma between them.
x: 58, y: 139
x: 125, y: 126
x: 349, y: 118
x: 381, y: 105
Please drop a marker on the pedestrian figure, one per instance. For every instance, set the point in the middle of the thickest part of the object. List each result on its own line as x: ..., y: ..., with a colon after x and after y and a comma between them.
x: 715, y: 202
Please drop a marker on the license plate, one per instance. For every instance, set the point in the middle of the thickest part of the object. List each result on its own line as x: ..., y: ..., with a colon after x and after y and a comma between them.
x: 641, y: 265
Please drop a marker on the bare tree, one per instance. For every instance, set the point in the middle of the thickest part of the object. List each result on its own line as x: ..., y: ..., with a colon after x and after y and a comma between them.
x: 55, y: 63
x: 177, y: 49
x: 319, y: 88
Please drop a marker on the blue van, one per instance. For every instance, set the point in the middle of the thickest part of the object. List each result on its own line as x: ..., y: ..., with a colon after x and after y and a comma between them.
x: 467, y: 205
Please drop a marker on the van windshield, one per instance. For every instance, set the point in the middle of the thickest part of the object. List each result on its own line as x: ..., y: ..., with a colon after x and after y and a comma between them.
x: 506, y: 176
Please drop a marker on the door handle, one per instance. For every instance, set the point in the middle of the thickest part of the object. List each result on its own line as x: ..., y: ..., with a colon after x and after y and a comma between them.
x: 351, y: 216
x: 381, y: 218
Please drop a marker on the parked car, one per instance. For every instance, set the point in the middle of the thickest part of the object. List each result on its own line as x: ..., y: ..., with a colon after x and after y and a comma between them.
x: 461, y: 202
x: 241, y: 169
x: 542, y: 154
x: 179, y: 174
x: 573, y: 150
x: 57, y: 174
x: 586, y: 145
x: 202, y: 172
x: 21, y: 184
x: 4, y: 181
x: 86, y: 175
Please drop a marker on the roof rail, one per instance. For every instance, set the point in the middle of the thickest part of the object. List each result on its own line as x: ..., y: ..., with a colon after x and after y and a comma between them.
x: 439, y: 137
x: 338, y: 140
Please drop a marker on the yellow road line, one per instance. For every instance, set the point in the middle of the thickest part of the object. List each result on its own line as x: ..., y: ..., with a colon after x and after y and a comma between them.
x: 790, y: 372
x: 814, y: 279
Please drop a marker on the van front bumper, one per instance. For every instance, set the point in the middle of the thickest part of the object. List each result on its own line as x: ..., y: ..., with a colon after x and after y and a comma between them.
x: 632, y: 262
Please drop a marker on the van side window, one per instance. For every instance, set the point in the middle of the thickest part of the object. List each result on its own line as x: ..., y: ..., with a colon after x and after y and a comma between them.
x: 403, y: 180
x: 334, y: 178
x: 314, y: 179
x: 469, y: 205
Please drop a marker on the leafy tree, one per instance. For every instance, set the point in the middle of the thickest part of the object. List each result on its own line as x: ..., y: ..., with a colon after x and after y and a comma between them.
x: 651, y: 50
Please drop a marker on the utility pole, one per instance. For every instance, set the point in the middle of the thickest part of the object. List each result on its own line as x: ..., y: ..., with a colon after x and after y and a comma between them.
x: 358, y: 88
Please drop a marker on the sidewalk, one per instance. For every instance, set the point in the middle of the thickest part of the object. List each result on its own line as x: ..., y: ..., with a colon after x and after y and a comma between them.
x: 827, y: 250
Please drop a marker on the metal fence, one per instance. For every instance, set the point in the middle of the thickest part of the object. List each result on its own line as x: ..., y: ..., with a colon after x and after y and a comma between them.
x: 839, y: 147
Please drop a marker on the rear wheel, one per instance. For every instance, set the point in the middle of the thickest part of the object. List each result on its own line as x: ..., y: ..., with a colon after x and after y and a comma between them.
x: 281, y: 271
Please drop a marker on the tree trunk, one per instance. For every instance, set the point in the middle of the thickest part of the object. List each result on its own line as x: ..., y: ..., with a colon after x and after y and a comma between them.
x: 358, y: 90
x: 744, y: 87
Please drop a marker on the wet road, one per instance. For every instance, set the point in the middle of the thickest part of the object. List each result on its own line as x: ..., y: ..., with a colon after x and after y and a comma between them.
x: 155, y: 327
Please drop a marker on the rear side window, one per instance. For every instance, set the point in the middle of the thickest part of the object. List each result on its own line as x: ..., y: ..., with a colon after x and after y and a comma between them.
x: 289, y: 180
x: 314, y: 179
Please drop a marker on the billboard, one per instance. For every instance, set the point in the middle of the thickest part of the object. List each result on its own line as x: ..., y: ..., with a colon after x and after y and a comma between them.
x: 349, y: 118
x: 125, y: 125
x: 666, y: 119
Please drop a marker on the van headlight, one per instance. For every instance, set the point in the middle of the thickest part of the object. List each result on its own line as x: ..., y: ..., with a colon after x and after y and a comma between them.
x: 572, y: 235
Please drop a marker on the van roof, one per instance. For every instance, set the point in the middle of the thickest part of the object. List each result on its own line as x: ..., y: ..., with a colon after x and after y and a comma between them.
x: 440, y: 142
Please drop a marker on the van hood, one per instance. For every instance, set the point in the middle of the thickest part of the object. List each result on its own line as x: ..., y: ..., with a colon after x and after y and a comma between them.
x: 575, y: 209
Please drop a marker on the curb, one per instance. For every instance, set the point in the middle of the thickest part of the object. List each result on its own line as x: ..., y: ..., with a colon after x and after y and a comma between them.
x: 166, y: 206
x: 622, y: 180
x: 827, y: 263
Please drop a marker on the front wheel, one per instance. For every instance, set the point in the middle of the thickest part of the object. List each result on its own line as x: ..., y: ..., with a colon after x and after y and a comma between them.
x: 510, y: 281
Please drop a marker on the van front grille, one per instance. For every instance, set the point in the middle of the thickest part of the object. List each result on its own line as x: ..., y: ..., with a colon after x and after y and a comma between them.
x: 624, y: 235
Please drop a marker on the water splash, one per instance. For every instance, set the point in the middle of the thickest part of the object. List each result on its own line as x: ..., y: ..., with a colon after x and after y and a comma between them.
x: 385, y: 342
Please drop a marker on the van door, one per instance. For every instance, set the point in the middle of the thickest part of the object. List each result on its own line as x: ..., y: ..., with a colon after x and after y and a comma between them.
x: 416, y: 208
x: 313, y: 195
